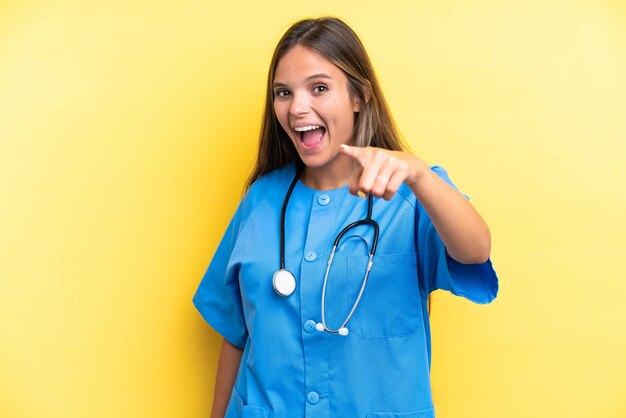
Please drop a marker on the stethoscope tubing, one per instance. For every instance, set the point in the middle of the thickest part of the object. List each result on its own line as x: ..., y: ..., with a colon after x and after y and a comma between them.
x: 324, y: 327
x: 283, y: 214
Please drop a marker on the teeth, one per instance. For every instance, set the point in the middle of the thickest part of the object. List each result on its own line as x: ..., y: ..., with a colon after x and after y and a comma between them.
x: 306, y: 128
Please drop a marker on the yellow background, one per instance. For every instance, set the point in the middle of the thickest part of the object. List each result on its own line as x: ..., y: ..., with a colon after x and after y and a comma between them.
x: 127, y: 130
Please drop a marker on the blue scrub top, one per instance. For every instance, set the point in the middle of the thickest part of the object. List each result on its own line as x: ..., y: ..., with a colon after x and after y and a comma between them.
x: 381, y: 369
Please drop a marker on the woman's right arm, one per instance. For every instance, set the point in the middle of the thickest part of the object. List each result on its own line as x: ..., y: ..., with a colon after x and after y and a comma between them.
x: 227, y: 367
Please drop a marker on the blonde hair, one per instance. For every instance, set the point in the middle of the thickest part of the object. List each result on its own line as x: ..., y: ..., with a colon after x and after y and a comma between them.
x: 336, y: 41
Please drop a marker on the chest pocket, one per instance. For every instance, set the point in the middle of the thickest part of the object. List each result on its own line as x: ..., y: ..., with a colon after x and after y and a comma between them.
x: 390, y: 305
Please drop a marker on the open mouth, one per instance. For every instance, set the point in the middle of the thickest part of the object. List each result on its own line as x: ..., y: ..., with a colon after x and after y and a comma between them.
x: 310, y: 136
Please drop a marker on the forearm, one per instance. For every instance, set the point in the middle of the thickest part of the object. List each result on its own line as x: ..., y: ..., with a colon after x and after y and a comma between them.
x: 227, y: 367
x: 461, y: 228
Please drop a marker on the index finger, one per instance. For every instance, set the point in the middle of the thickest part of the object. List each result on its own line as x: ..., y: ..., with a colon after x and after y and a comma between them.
x: 356, y: 153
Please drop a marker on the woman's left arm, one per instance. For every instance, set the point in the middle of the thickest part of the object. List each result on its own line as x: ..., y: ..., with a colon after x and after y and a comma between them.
x: 461, y: 228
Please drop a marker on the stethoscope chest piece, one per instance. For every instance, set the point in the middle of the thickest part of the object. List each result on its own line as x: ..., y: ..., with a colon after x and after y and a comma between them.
x: 284, y: 282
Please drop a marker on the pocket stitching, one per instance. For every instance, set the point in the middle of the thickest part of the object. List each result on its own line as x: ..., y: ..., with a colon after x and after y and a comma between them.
x: 242, y: 408
x: 424, y: 413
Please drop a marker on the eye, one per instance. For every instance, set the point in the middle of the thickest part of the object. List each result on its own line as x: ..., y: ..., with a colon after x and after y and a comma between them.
x: 320, y: 88
x: 281, y: 93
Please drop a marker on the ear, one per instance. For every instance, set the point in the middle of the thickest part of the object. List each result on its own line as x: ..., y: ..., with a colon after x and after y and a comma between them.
x: 357, y: 101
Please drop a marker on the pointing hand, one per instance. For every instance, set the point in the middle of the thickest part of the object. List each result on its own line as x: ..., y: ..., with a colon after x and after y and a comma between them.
x: 381, y: 171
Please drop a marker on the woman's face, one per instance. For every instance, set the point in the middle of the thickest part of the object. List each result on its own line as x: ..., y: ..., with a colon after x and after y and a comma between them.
x: 313, y: 105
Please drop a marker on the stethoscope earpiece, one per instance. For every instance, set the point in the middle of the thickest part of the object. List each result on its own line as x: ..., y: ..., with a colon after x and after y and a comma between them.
x: 343, y: 331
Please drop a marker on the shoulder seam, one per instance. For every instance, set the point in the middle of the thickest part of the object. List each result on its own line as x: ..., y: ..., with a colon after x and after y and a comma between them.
x: 406, y: 198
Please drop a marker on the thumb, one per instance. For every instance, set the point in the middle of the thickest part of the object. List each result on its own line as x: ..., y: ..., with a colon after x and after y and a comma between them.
x: 357, y: 153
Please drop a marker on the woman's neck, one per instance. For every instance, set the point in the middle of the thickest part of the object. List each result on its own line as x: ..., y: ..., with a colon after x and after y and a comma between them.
x: 329, y: 177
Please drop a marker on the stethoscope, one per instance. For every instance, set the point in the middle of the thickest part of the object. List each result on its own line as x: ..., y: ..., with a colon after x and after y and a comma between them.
x: 284, y: 281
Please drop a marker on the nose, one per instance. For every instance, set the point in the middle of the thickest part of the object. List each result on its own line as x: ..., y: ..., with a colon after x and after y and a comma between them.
x: 300, y: 105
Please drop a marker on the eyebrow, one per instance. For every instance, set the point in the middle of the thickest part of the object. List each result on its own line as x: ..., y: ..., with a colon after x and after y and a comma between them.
x: 309, y: 78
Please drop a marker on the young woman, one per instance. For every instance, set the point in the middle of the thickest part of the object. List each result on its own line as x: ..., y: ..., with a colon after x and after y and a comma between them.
x: 320, y: 284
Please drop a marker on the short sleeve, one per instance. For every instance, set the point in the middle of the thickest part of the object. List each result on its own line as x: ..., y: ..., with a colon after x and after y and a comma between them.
x: 218, y: 298
x: 437, y: 270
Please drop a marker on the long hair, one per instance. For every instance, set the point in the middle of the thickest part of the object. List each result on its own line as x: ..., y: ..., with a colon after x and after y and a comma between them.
x: 335, y: 41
